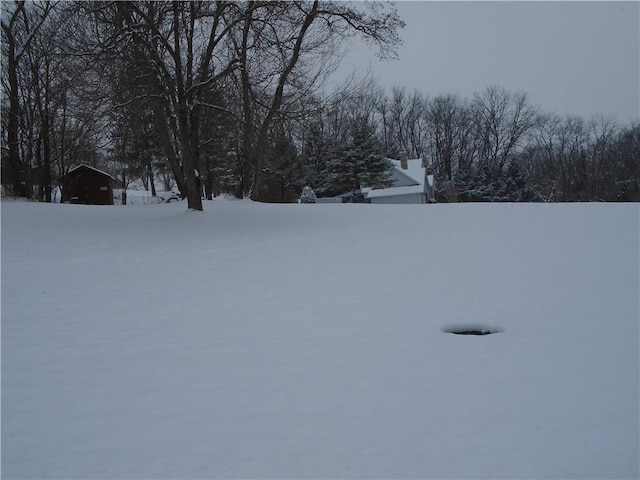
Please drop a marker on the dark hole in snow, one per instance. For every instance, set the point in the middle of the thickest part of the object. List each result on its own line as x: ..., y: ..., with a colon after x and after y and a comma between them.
x: 471, y: 330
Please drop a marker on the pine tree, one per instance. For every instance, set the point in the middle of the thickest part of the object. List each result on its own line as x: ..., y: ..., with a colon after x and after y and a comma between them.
x: 318, y: 150
x: 361, y: 162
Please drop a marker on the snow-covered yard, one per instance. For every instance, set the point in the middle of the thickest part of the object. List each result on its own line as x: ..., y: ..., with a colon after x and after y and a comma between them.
x: 305, y: 341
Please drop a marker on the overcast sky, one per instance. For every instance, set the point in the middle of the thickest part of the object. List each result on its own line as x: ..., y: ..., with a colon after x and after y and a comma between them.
x: 576, y: 57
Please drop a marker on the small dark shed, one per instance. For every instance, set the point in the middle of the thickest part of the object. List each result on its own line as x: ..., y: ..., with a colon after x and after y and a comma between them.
x: 88, y: 186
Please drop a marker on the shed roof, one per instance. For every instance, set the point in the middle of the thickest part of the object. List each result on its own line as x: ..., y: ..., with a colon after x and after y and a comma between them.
x: 84, y: 165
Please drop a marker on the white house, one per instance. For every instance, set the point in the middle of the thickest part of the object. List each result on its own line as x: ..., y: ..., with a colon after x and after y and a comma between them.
x: 410, y: 184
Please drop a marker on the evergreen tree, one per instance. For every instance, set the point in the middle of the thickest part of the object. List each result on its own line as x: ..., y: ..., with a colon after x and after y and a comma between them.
x: 317, y: 151
x: 308, y: 195
x: 361, y: 162
x: 484, y: 185
x: 282, y: 176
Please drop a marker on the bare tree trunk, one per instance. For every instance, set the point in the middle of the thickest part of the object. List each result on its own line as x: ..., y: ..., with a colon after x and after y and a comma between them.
x: 164, y: 136
x: 46, y: 176
x: 247, y: 116
x: 124, y: 187
x: 152, y: 181
x: 9, y: 24
x: 14, y: 117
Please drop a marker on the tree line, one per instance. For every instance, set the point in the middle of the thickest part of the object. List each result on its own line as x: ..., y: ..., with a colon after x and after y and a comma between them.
x: 495, y: 146
x: 195, y: 91
x: 212, y: 97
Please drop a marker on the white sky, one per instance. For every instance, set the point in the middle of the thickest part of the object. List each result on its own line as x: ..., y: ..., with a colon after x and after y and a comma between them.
x: 574, y: 57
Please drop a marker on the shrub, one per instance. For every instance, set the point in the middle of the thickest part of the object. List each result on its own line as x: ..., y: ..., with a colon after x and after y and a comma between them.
x: 308, y: 195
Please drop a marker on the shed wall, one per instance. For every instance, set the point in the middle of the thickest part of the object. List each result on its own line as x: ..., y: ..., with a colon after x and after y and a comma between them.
x: 88, y: 188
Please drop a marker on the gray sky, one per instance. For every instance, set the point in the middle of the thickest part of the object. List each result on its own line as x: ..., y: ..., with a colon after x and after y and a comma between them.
x: 576, y: 57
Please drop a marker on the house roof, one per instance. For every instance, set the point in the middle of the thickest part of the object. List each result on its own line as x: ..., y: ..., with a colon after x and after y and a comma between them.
x: 414, y: 171
x: 84, y: 165
x: 406, y: 182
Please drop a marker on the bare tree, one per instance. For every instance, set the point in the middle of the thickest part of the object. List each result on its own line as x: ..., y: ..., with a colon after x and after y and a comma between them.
x: 21, y: 22
x: 449, y: 132
x: 626, y: 155
x: 540, y: 158
x: 300, y: 38
x: 501, y: 119
x: 178, y: 53
x: 601, y: 166
x: 416, y: 129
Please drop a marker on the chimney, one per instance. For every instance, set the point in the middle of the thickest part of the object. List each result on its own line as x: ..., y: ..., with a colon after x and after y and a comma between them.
x: 403, y: 160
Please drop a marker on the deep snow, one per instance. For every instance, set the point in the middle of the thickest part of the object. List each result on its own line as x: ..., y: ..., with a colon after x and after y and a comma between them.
x: 298, y: 341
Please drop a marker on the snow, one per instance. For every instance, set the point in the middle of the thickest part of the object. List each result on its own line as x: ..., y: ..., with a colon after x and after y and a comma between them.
x: 414, y: 170
x: 306, y: 341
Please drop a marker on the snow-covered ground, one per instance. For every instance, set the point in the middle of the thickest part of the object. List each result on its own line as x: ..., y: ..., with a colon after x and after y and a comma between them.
x: 305, y: 341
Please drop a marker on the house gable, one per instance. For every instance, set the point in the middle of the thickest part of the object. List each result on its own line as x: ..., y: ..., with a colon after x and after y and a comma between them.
x: 400, y: 178
x: 407, y: 184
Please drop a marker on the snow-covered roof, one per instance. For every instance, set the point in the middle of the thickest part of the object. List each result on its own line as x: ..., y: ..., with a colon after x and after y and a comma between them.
x: 84, y: 165
x: 414, y: 170
x: 415, y: 173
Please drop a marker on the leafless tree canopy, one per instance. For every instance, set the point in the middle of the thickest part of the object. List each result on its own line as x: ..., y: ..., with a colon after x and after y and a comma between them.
x: 210, y: 97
